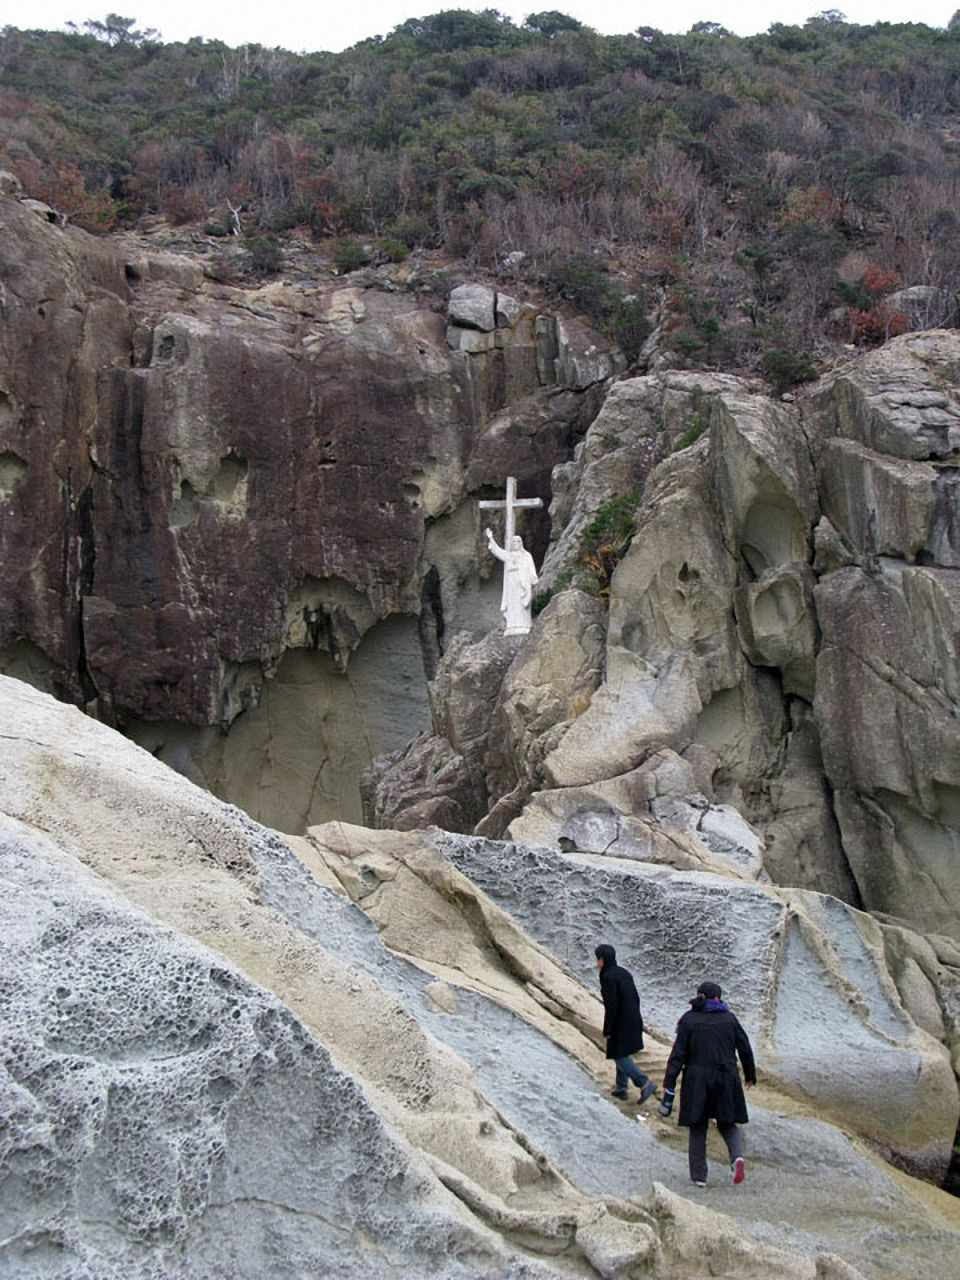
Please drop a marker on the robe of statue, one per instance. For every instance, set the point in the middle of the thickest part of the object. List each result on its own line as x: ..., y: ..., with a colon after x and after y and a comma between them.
x: 519, y: 579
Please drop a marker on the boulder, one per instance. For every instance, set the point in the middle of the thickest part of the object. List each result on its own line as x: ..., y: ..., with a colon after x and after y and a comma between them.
x: 635, y: 712
x: 763, y: 481
x: 581, y: 358
x: 45, y: 212
x: 671, y: 640
x: 879, y: 505
x: 464, y: 691
x: 900, y: 400
x: 472, y: 306
x: 527, y: 440
x: 424, y: 784
x: 507, y: 311
x: 652, y: 814
x: 471, y: 341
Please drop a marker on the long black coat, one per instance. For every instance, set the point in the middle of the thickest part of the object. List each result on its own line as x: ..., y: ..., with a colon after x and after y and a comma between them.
x: 622, y: 1022
x: 705, y: 1050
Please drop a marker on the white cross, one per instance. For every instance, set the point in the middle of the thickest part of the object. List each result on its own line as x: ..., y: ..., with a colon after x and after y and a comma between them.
x: 511, y: 503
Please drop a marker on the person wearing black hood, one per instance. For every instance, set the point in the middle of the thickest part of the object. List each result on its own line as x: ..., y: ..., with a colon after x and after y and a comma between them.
x: 709, y: 1038
x: 622, y: 1023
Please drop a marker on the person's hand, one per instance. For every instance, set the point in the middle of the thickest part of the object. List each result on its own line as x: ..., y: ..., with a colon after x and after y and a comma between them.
x: 666, y: 1102
x: 748, y: 1084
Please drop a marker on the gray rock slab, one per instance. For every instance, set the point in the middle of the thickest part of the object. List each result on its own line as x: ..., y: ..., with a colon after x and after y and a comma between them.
x: 164, y: 1117
x: 810, y: 986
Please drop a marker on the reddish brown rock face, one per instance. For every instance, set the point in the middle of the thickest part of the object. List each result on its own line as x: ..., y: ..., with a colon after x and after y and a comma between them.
x: 63, y: 306
x: 194, y: 479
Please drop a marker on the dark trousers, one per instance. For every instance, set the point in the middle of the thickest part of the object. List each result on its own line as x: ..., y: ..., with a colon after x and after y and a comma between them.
x: 697, y: 1148
x: 627, y: 1069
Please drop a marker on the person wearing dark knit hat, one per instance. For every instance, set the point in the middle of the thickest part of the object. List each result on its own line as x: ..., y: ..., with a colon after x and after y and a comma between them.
x: 709, y: 1040
x: 622, y: 1023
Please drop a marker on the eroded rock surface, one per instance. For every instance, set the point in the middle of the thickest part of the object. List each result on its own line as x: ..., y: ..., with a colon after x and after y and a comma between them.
x: 367, y: 972
x: 151, y: 1092
x: 806, y: 974
x: 786, y: 619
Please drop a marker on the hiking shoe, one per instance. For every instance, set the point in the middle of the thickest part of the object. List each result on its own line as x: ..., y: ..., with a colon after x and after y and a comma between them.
x: 739, y: 1171
x: 618, y: 1093
x: 648, y: 1090
x: 697, y: 1184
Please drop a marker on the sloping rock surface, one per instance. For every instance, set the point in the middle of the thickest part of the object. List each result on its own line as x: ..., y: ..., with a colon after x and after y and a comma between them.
x: 262, y: 1025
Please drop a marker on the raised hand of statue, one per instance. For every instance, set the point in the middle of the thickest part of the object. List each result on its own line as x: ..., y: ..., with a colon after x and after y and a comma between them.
x: 488, y: 533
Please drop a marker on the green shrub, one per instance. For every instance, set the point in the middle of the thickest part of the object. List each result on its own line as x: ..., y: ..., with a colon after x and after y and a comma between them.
x: 786, y: 369
x: 216, y: 229
x: 581, y: 280
x: 629, y: 326
x: 394, y: 250
x: 603, y: 544
x: 693, y: 433
x: 410, y: 230
x: 266, y: 254
x: 540, y: 601
x: 349, y: 255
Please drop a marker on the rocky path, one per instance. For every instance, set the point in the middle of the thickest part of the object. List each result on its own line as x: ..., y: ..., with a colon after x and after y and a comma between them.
x: 801, y: 1169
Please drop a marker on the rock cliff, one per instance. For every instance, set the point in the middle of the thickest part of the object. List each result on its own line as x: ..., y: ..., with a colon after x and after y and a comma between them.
x: 233, y: 521
x: 239, y: 525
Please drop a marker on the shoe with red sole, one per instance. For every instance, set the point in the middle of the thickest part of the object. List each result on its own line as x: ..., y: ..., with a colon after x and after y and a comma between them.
x: 739, y: 1170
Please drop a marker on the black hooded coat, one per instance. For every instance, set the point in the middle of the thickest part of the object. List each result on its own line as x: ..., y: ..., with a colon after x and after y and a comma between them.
x: 705, y: 1050
x: 622, y: 1020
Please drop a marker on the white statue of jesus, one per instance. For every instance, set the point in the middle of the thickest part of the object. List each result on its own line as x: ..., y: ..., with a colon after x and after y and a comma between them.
x: 519, y: 579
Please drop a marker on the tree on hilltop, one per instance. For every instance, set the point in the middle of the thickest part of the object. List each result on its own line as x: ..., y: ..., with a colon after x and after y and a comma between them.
x: 115, y: 30
x: 551, y: 23
x: 458, y: 29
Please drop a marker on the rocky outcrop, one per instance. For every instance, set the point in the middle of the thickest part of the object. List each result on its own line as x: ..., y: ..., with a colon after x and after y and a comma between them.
x: 642, y: 420
x: 785, y: 617
x: 547, y: 686
x: 341, y: 1055
x: 655, y: 813
x: 783, y: 624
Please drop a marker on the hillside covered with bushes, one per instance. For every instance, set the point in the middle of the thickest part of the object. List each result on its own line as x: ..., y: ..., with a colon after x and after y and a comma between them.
x: 762, y: 197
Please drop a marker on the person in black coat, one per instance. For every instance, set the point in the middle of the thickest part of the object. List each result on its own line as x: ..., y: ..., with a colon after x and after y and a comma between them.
x: 709, y: 1039
x: 622, y: 1023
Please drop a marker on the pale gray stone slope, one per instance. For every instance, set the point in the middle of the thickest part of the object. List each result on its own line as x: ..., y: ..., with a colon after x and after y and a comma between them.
x: 266, y: 1089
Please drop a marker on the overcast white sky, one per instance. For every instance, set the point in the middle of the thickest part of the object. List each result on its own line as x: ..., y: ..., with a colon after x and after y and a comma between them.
x: 322, y: 24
